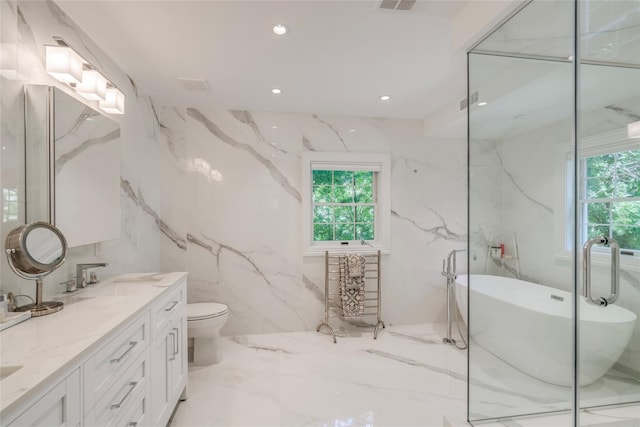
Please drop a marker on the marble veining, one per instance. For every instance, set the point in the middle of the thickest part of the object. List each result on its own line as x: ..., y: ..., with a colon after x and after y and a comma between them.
x: 306, y: 143
x: 333, y: 129
x: 245, y: 117
x: 317, y: 292
x: 438, y: 232
x: 138, y: 199
x: 70, y: 155
x: 624, y: 112
x: 273, y: 170
x: 519, y: 187
x: 177, y: 150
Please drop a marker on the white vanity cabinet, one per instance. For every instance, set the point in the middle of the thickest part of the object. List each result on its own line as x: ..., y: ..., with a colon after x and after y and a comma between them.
x: 168, y: 355
x: 60, y: 406
x: 128, y: 366
x: 116, y: 377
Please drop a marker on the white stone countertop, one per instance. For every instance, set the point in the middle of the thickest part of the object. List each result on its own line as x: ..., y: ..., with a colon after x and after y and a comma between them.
x: 46, y: 346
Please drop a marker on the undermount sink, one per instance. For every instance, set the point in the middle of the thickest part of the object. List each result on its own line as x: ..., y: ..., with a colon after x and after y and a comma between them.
x: 5, y: 371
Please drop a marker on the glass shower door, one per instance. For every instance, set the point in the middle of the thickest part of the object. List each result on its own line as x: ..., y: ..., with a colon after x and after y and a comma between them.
x: 520, y: 288
x: 608, y: 211
x: 554, y: 163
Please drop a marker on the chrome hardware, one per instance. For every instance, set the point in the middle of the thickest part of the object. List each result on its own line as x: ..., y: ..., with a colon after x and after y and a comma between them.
x: 131, y: 345
x: 449, y: 270
x: 81, y: 274
x: 132, y: 385
x: 172, y: 306
x: 615, y: 270
x: 177, y: 346
x: 173, y: 354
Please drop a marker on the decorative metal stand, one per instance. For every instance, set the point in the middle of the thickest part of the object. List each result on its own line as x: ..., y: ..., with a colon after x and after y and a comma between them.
x: 332, y: 303
x: 34, y: 260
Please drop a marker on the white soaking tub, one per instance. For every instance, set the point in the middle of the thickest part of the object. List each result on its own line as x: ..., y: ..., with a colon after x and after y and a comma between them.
x: 529, y: 326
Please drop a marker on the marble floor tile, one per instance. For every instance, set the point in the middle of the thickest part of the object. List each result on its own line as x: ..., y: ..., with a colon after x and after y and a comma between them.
x: 407, y: 377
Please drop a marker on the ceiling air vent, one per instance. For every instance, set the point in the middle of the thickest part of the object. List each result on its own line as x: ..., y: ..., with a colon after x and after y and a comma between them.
x: 465, y: 102
x: 397, y: 4
x: 194, y: 85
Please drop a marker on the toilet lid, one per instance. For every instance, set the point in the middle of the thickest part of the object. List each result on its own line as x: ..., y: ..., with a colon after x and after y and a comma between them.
x: 205, y: 310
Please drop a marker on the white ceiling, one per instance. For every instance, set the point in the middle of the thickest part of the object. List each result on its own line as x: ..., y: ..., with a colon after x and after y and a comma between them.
x: 338, y: 57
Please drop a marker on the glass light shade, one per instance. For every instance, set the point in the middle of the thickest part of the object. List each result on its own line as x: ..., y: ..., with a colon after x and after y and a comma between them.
x: 93, y: 86
x: 114, y: 102
x: 64, y: 64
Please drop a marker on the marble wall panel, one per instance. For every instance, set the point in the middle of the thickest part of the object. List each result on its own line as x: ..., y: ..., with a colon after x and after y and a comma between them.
x: 244, y: 242
x: 28, y: 26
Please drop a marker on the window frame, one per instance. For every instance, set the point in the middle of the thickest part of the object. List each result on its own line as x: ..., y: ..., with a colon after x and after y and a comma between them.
x: 377, y: 162
x: 592, y: 146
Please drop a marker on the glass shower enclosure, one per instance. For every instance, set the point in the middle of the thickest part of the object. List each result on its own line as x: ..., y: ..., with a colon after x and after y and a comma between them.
x: 554, y: 216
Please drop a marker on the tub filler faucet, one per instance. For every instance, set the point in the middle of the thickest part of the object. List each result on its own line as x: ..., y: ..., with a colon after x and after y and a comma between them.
x: 449, y: 270
x: 82, y: 280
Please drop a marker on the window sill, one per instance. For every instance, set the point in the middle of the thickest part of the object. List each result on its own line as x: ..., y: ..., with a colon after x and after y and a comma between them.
x: 360, y: 249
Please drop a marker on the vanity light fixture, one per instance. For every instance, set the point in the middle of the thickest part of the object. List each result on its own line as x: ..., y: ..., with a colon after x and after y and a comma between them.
x: 93, y: 86
x: 385, y: 98
x: 276, y: 91
x: 65, y: 65
x: 279, y: 29
x: 114, y: 101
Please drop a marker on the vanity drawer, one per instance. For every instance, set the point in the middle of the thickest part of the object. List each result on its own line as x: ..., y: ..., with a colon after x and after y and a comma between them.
x: 108, y: 364
x: 138, y: 414
x: 162, y: 312
x: 128, y: 392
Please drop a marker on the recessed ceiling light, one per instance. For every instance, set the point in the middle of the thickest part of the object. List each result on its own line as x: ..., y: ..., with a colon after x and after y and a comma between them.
x: 274, y: 127
x: 279, y: 29
x: 352, y: 130
x: 4, y: 148
x: 385, y: 98
x: 276, y: 91
x: 482, y: 104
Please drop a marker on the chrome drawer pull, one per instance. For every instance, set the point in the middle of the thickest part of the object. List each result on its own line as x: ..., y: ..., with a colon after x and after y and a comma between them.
x: 119, y: 404
x: 173, y: 355
x: 131, y: 345
x: 177, y: 346
x: 172, y: 305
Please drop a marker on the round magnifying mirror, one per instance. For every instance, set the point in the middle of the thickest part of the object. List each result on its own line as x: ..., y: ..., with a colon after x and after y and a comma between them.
x: 33, y: 251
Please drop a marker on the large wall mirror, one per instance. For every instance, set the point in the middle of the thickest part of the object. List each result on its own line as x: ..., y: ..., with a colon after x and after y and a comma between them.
x: 72, y: 166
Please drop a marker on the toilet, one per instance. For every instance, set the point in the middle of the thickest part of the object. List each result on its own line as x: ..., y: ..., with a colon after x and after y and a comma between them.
x: 204, y: 321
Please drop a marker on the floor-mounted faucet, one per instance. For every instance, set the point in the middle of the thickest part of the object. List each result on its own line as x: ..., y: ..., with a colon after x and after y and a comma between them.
x: 449, y: 270
x: 81, y: 274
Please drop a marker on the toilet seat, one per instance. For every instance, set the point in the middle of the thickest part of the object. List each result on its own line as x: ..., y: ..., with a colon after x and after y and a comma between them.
x: 205, y: 310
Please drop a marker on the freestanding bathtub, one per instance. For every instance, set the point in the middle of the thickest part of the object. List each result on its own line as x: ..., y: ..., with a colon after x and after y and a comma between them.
x: 529, y: 327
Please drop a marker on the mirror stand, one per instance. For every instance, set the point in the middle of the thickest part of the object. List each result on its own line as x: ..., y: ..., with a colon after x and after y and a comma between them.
x: 33, y: 251
x: 39, y: 308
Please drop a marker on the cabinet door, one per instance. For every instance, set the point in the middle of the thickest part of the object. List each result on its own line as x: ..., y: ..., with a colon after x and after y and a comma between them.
x: 179, y: 361
x: 59, y: 407
x: 161, y: 398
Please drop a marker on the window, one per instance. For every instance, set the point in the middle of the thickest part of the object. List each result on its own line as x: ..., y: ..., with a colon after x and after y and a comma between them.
x: 345, y: 202
x: 610, y: 190
x: 10, y: 204
x: 609, y: 196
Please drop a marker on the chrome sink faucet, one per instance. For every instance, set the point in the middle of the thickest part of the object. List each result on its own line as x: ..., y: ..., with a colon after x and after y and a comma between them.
x: 81, y: 274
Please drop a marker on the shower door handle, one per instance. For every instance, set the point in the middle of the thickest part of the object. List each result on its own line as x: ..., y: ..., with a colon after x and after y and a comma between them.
x: 615, y: 270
